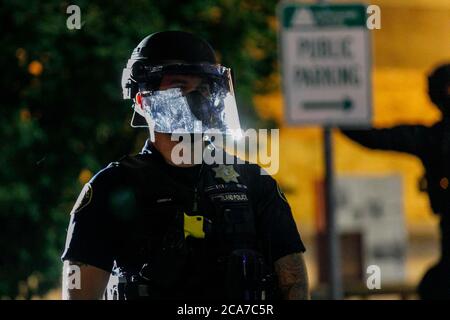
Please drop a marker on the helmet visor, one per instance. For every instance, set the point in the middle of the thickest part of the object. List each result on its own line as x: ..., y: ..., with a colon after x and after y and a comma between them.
x: 191, y: 100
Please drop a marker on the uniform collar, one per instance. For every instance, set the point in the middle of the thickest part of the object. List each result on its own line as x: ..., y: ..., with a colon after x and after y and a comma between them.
x: 148, y: 148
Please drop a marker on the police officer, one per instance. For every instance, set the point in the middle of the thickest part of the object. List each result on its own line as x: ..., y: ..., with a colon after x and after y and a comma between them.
x: 181, y: 230
x: 432, y: 146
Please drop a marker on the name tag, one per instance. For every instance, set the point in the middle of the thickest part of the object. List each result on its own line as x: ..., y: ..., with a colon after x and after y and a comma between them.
x: 230, y: 197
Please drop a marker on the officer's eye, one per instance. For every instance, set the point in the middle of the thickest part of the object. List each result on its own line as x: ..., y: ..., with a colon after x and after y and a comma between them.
x: 173, y: 83
x: 177, y: 84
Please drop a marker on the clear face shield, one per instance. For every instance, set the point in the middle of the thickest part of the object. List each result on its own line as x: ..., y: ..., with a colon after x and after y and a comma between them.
x: 188, y: 99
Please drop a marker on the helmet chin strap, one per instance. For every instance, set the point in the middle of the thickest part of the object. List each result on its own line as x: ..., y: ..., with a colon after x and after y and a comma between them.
x: 150, y: 122
x: 151, y: 126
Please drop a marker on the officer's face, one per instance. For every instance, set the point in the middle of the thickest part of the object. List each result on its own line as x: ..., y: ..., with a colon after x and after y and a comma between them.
x: 187, y: 83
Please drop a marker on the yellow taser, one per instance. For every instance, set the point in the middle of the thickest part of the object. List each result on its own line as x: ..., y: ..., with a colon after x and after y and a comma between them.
x: 193, y: 226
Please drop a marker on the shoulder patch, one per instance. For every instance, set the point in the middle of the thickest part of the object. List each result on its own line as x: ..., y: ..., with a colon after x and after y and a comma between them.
x: 83, y: 199
x: 113, y: 164
x: 281, y: 193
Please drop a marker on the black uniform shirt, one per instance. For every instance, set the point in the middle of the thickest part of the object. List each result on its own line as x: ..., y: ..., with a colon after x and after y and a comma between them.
x: 114, y: 214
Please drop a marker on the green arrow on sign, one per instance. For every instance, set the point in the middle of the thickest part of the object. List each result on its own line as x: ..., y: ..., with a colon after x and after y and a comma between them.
x: 345, y: 105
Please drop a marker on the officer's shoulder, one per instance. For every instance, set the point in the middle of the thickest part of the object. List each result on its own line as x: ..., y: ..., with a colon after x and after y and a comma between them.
x: 117, y: 169
x: 137, y: 161
x: 109, y: 175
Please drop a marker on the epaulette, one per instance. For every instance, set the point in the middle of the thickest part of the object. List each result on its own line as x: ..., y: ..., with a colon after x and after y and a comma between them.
x: 136, y: 161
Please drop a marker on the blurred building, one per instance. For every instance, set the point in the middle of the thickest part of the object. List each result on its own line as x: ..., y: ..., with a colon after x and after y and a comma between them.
x: 414, y: 37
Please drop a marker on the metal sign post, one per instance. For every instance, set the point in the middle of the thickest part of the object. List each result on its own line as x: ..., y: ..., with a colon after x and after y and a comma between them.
x: 325, y: 57
x: 333, y: 241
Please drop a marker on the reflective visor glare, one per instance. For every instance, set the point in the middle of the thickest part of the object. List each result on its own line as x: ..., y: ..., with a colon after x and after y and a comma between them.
x: 211, y: 107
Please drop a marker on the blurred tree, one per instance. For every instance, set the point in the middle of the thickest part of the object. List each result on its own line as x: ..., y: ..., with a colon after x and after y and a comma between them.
x: 62, y: 117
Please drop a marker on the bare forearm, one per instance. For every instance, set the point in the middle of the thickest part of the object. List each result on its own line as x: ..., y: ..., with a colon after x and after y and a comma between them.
x: 292, y: 277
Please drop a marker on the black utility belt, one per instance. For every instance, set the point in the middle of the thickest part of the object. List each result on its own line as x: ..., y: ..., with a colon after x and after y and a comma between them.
x: 243, y: 275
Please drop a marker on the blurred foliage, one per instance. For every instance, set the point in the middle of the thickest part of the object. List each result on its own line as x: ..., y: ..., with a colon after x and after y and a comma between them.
x: 62, y: 117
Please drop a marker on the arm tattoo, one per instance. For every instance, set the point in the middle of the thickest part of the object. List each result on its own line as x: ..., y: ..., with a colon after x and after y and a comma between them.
x: 292, y: 277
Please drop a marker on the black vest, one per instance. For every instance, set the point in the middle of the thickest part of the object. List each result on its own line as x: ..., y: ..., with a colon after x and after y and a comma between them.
x: 165, y: 263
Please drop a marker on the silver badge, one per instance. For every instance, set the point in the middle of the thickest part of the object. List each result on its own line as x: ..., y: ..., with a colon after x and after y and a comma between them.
x: 226, y: 173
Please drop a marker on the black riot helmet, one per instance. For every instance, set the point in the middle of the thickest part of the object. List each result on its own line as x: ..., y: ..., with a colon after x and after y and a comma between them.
x: 209, y: 106
x: 439, y: 88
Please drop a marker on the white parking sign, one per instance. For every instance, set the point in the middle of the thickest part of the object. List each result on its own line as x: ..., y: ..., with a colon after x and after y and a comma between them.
x: 326, y: 67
